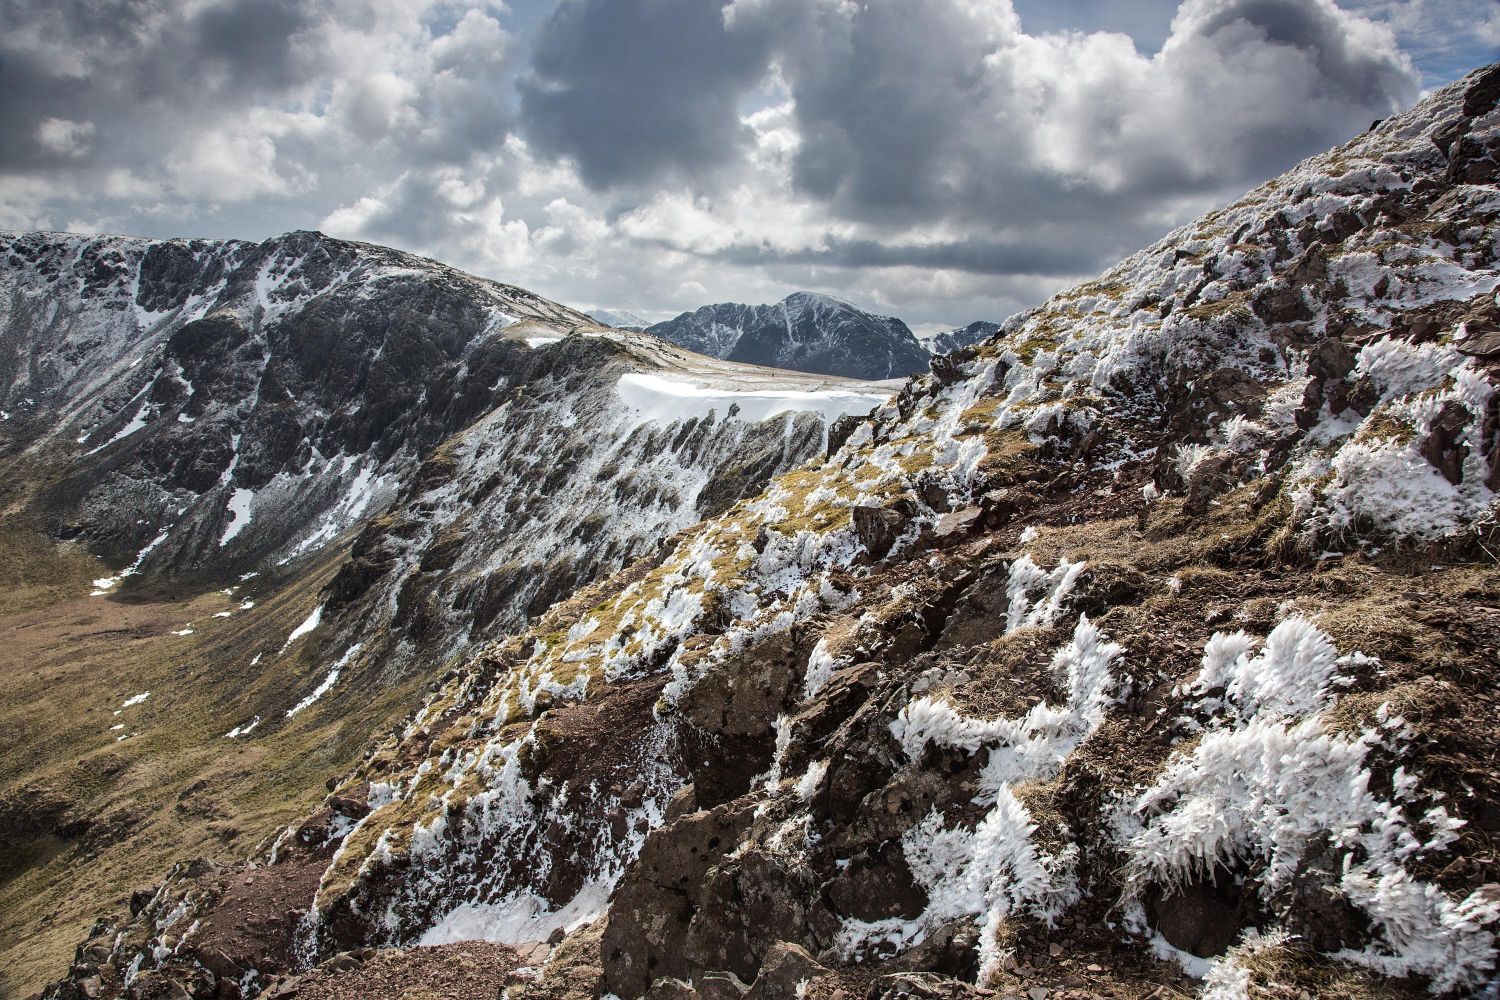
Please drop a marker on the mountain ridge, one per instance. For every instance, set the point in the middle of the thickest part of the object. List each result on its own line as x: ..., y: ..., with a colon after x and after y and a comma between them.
x: 1151, y: 637
x: 619, y: 319
x: 958, y: 338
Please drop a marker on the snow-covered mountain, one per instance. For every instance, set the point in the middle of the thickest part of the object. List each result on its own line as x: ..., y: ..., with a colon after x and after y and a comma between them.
x: 949, y: 341
x: 214, y: 406
x: 620, y: 319
x: 218, y: 408
x: 803, y: 332
x: 1146, y: 647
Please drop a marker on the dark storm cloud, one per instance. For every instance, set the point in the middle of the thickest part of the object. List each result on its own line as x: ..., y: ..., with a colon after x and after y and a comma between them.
x: 1343, y: 81
x: 107, y: 62
x: 638, y: 90
x: 1308, y: 27
x: 970, y: 116
x: 888, y: 115
x: 252, y: 40
x: 974, y: 256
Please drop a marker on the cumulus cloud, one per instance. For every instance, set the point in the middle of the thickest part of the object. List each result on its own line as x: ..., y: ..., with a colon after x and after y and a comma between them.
x: 944, y: 160
x: 63, y: 137
x: 985, y: 118
x: 1445, y: 38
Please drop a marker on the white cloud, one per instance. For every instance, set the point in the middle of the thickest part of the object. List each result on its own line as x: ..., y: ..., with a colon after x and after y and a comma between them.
x: 64, y: 136
x: 236, y: 162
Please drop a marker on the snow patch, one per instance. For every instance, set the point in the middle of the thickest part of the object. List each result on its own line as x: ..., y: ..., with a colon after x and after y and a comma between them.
x: 311, y: 622
x: 518, y: 919
x: 1036, y: 595
x: 328, y: 682
x: 105, y: 584
x: 243, y: 729
x: 667, y: 399
x: 240, y: 502
x: 820, y: 667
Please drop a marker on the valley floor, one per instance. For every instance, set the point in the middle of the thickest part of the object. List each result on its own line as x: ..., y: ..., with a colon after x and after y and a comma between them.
x: 101, y: 788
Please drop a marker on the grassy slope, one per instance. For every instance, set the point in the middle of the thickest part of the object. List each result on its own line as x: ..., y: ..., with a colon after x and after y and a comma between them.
x: 177, y: 789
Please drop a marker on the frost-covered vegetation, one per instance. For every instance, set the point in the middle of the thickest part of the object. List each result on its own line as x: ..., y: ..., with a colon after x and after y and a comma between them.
x: 1094, y: 366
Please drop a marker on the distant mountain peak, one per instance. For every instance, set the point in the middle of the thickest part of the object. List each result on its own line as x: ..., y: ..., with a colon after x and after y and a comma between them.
x: 806, y: 331
x: 819, y: 298
x: 958, y: 338
x: 619, y: 319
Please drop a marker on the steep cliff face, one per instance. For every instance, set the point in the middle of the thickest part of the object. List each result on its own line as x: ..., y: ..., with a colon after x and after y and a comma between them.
x: 1147, y: 646
x: 803, y: 332
x: 220, y: 405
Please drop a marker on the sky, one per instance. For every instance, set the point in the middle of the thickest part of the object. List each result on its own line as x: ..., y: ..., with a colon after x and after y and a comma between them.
x: 938, y: 160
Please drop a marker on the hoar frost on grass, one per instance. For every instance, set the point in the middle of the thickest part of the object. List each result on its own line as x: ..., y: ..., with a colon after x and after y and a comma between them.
x: 516, y: 818
x: 1229, y: 977
x: 1375, y: 480
x: 820, y: 667
x: 1268, y: 779
x: 1036, y: 595
x: 1351, y: 474
x: 997, y: 869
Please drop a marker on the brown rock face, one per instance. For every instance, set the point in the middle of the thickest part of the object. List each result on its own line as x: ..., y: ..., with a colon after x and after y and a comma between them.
x: 786, y: 965
x: 1200, y: 917
x: 651, y: 920
x: 728, y: 718
x: 877, y: 887
x: 1441, y: 447
x: 954, y: 526
x: 878, y: 528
